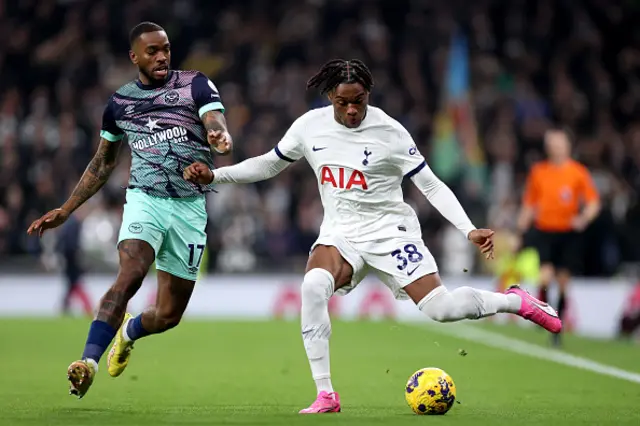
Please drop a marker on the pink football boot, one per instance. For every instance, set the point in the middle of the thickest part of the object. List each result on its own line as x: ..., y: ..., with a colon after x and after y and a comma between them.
x: 536, y: 311
x: 325, y: 403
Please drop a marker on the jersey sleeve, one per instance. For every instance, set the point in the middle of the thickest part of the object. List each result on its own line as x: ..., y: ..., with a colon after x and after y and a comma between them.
x: 291, y: 148
x: 405, y: 154
x: 588, y: 190
x: 205, y: 95
x: 110, y: 130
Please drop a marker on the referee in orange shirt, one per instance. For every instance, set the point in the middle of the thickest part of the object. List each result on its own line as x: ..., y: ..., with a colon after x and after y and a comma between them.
x: 560, y: 201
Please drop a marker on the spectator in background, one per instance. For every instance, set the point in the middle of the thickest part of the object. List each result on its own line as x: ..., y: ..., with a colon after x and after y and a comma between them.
x: 630, y: 319
x: 73, y: 271
x: 560, y: 201
x: 532, y: 63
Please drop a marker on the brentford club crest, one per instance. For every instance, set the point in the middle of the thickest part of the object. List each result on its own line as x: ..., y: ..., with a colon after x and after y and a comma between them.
x: 171, y: 97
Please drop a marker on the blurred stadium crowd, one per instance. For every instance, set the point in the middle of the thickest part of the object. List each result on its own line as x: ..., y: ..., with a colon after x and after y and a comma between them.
x: 533, y: 64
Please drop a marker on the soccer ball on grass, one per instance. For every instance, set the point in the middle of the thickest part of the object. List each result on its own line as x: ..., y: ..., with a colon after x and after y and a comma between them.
x: 430, y: 391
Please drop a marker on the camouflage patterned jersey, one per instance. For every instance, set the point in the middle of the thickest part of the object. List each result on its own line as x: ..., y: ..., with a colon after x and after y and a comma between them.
x: 164, y: 130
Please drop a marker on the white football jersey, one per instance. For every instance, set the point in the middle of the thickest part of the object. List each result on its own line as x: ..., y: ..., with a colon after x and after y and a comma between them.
x: 359, y: 172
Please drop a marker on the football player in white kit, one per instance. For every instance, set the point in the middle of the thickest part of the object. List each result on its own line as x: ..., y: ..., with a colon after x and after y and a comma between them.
x: 360, y: 156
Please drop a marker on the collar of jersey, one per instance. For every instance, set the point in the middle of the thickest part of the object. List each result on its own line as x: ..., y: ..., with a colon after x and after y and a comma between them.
x: 154, y: 86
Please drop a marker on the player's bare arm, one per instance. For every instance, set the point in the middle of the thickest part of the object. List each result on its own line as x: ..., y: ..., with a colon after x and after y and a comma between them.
x: 589, y: 213
x: 220, y: 141
x: 525, y: 218
x: 217, y: 134
x: 94, y: 177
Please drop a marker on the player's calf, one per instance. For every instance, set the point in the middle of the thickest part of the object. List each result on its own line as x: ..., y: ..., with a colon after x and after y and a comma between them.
x: 157, y: 320
x: 135, y: 259
x: 172, y: 299
x: 316, y: 289
x: 462, y: 303
x: 165, y: 323
x: 466, y: 303
x: 150, y: 322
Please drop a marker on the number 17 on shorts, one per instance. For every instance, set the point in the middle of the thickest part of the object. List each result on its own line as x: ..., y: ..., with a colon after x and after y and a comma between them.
x: 195, y: 256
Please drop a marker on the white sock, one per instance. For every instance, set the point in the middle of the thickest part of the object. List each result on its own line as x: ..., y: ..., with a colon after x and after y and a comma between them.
x: 125, y: 336
x: 324, y: 385
x: 317, y: 287
x: 467, y: 303
x: 93, y: 363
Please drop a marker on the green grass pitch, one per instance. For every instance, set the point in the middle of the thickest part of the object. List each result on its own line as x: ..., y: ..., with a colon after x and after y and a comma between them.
x: 256, y: 373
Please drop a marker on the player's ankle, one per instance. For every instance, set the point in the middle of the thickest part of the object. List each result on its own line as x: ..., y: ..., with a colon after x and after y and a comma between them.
x: 134, y: 330
x: 324, y: 385
x: 514, y: 303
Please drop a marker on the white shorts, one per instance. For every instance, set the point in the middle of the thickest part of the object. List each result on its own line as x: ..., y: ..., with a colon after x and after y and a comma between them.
x: 397, y: 262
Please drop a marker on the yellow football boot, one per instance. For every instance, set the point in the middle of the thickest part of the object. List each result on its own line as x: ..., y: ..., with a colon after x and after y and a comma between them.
x: 120, y: 351
x: 80, y: 375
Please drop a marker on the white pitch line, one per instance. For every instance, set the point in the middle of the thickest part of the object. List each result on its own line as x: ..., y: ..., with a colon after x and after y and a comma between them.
x: 500, y: 341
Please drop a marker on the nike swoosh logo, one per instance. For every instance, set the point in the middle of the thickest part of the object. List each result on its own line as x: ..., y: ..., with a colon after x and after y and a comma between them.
x: 544, y: 306
x: 318, y: 149
x: 409, y: 273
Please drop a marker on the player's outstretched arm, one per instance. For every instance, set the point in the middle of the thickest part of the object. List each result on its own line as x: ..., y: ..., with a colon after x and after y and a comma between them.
x: 250, y: 170
x: 93, y: 178
x: 255, y: 169
x: 445, y: 201
x: 412, y: 164
x: 217, y: 134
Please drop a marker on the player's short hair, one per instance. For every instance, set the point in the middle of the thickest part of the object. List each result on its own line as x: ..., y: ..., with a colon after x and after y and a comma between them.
x: 141, y: 28
x: 339, y: 71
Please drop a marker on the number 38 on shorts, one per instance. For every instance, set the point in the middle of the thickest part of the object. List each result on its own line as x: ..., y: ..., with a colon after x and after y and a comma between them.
x: 408, y: 254
x: 397, y: 262
x: 404, y: 262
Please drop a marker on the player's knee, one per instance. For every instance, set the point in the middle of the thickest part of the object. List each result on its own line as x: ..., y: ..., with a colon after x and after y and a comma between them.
x: 316, y: 286
x: 131, y: 274
x: 136, y: 257
x: 436, y: 304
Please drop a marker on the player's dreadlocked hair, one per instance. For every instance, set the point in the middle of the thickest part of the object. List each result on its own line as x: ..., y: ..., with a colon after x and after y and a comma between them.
x: 339, y: 71
x: 141, y: 28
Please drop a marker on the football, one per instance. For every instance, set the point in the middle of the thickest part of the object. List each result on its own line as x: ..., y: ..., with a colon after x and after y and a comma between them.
x: 430, y: 391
